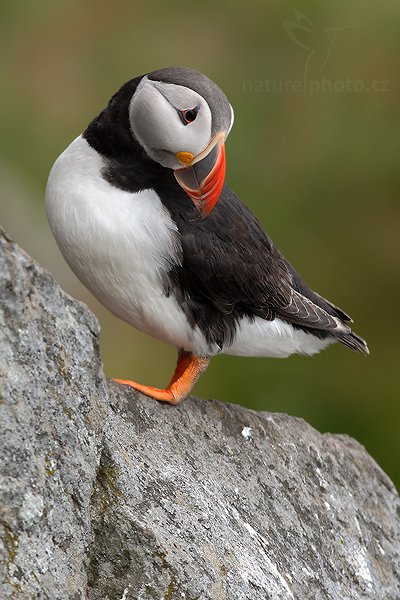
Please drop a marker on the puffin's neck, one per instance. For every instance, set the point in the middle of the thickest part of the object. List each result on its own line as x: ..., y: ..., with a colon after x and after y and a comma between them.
x: 127, y: 165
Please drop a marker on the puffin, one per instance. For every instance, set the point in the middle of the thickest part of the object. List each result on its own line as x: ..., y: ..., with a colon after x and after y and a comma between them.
x: 140, y: 210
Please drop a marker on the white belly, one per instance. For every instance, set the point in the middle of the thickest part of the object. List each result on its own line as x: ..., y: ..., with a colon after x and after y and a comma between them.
x: 276, y: 339
x: 117, y: 242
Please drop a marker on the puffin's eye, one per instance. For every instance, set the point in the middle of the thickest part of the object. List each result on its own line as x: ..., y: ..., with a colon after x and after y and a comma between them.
x: 189, y: 115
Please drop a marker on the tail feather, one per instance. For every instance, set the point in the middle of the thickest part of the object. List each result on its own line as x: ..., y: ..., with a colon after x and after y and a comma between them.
x: 353, y: 341
x: 342, y: 333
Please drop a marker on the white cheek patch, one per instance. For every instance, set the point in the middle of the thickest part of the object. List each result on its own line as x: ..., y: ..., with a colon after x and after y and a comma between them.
x: 156, y: 124
x: 179, y: 96
x: 151, y: 119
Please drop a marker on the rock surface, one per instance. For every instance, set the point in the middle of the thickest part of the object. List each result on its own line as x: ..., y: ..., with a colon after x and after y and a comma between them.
x: 108, y: 495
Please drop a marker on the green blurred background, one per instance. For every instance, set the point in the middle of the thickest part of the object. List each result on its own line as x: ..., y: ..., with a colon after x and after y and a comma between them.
x: 314, y: 152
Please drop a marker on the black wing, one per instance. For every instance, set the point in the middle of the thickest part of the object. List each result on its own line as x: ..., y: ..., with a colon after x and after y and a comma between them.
x: 231, y: 268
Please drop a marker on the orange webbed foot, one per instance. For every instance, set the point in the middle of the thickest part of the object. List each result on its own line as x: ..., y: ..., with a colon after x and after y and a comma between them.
x: 188, y: 369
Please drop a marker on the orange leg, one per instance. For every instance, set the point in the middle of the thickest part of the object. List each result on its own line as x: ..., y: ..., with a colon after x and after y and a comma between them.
x: 188, y: 369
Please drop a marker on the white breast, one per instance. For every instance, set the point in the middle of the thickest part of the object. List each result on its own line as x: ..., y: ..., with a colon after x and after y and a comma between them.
x: 119, y: 244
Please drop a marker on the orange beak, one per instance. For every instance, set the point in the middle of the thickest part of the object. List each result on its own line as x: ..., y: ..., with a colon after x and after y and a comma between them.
x: 203, y: 176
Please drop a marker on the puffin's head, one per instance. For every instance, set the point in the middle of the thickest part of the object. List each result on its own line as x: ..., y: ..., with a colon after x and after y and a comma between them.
x: 181, y: 119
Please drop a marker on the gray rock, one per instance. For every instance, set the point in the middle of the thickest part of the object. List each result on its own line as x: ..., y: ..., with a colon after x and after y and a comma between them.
x: 106, y: 494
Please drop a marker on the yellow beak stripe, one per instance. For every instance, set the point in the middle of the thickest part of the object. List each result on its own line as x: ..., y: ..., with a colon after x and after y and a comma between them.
x: 185, y: 158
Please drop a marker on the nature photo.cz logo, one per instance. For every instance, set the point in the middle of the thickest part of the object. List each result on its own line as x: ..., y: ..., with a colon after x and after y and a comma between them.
x: 317, y: 45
